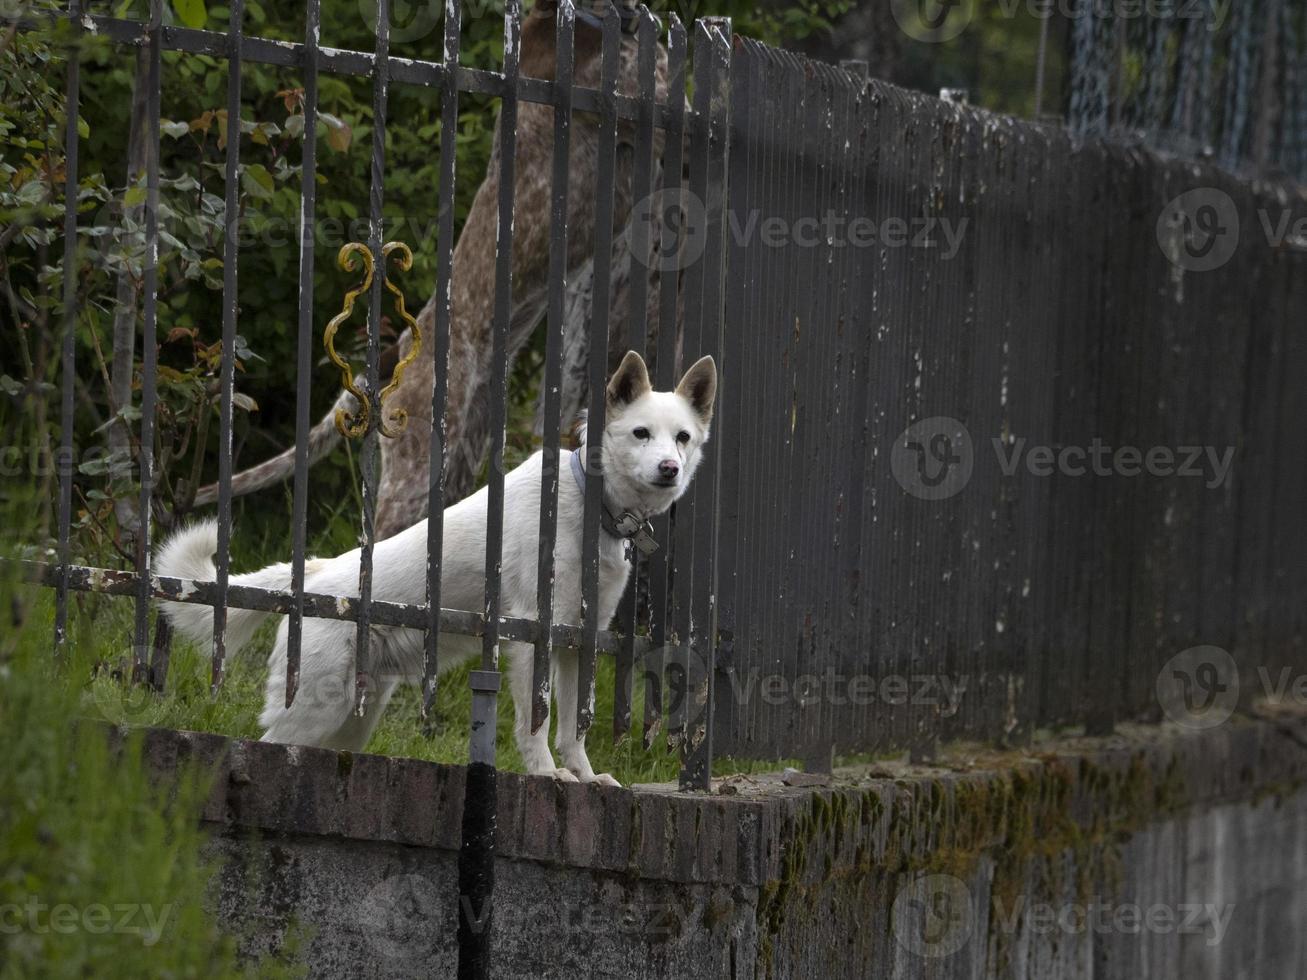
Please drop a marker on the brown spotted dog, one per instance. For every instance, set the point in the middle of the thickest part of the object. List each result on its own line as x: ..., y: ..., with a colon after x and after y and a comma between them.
x: 405, y: 460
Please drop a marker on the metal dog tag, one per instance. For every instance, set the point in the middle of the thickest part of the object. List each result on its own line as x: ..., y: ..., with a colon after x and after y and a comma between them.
x: 638, y: 533
x: 644, y: 539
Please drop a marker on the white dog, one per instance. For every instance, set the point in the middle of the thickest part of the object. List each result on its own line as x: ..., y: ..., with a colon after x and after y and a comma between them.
x: 652, y: 445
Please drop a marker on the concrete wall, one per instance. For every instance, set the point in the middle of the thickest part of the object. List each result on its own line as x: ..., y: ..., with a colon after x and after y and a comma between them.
x: 1150, y: 854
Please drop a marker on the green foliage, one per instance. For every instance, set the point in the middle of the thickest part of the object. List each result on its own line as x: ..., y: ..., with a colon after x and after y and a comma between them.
x: 993, y: 59
x: 102, y: 661
x: 191, y: 219
x: 195, y: 135
x: 101, y: 872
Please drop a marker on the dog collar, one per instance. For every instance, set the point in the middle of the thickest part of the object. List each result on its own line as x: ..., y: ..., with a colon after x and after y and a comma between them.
x: 628, y: 527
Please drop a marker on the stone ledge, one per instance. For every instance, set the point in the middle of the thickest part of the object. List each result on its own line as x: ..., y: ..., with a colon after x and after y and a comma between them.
x: 746, y: 831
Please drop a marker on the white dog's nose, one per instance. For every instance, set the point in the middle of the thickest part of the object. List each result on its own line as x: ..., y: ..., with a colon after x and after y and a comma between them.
x: 668, y: 469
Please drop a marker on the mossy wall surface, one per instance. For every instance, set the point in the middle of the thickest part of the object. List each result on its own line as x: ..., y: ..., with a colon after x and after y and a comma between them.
x: 1022, y: 864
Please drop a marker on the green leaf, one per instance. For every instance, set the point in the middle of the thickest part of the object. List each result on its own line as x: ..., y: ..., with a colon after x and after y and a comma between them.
x: 339, y: 133
x: 191, y: 12
x: 174, y: 129
x: 256, y: 181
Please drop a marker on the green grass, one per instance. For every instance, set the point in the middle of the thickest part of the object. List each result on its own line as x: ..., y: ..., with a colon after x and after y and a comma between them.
x: 100, y: 658
x: 101, y: 871
x: 101, y: 630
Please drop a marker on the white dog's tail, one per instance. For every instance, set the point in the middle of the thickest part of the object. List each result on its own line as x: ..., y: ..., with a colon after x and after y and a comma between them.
x: 189, y: 554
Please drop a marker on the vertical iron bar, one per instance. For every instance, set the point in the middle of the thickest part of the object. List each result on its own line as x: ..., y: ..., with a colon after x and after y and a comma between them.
x: 804, y: 408
x: 859, y: 338
x: 665, y: 366
x: 1089, y: 71
x: 1040, y: 58
x: 230, y: 303
x: 1159, y: 31
x: 781, y: 586
x: 483, y: 749
x: 816, y: 548
x: 440, y: 350
x: 476, y: 867
x: 149, y: 346
x: 550, y: 468
x: 1286, y: 142
x: 752, y: 194
x: 1186, y: 76
x: 637, y: 326
x: 68, y: 353
x: 368, y: 454
x: 740, y: 278
x: 1241, y: 68
x: 761, y: 316
x: 304, y: 345
x: 683, y: 550
x: 595, y: 421
x: 696, y: 749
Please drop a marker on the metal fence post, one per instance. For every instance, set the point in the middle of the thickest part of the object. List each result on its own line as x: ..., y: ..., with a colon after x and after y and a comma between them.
x: 477, y: 855
x: 149, y: 346
x: 68, y: 353
x: 708, y: 174
x: 304, y: 345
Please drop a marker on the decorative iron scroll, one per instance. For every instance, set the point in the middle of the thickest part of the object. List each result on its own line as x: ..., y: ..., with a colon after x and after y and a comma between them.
x: 391, y: 424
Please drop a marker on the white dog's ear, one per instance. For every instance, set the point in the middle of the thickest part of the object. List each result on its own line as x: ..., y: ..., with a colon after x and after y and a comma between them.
x: 699, y: 387
x: 630, y: 381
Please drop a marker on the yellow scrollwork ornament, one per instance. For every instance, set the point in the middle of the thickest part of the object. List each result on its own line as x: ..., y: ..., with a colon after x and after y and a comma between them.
x: 392, y: 423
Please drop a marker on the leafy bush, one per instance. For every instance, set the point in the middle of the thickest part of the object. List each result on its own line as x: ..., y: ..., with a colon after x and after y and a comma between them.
x: 108, y: 274
x: 101, y: 871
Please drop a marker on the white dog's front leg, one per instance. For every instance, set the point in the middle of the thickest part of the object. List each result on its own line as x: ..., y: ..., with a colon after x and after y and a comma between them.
x: 570, y: 748
x: 534, y: 748
x: 324, y: 703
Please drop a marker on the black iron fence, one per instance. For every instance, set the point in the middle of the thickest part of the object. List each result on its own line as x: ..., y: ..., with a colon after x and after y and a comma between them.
x: 692, y: 164
x: 1006, y: 435
x: 1006, y: 421
x: 1014, y: 426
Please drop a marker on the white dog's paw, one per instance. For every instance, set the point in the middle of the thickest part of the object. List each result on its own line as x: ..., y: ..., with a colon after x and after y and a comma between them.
x: 603, y: 779
x: 564, y: 775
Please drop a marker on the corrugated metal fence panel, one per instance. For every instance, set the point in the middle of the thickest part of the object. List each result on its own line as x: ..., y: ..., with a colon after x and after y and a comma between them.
x: 1017, y: 298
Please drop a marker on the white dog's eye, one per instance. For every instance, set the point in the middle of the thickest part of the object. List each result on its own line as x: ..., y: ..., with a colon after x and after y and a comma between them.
x: 641, y: 433
x: 682, y: 437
